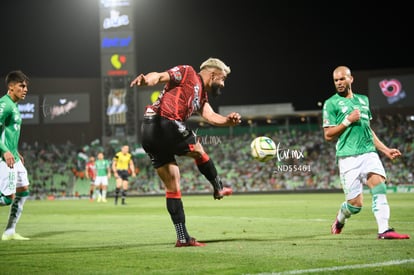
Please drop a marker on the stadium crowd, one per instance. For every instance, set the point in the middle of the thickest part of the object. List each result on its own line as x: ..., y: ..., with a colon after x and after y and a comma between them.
x: 303, y: 162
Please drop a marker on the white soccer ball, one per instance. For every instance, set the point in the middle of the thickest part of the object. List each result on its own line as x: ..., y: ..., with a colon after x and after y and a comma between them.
x: 263, y: 148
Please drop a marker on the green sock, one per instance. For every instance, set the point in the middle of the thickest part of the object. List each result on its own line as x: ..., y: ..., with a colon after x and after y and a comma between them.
x: 5, y: 200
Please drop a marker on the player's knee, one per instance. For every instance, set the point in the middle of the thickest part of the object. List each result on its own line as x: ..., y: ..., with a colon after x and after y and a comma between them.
x: 194, y: 154
x: 22, y: 189
x: 198, y: 146
x: 195, y: 150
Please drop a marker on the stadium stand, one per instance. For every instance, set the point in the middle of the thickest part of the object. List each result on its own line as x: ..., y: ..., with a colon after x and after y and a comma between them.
x: 56, y: 171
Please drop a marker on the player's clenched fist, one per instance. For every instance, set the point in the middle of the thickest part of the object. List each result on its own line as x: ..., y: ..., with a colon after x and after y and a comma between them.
x: 234, y: 118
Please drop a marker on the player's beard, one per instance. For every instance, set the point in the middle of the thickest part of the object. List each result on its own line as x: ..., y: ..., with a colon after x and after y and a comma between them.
x: 345, y: 92
x: 215, y: 90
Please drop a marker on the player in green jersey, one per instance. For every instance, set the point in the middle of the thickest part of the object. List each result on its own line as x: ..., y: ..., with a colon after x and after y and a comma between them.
x: 346, y: 120
x: 103, y: 173
x: 14, y: 183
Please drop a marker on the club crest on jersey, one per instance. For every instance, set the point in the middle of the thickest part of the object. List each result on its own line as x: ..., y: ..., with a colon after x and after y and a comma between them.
x: 177, y: 76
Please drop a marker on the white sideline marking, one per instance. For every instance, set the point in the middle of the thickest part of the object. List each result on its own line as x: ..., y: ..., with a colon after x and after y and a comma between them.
x: 335, y: 268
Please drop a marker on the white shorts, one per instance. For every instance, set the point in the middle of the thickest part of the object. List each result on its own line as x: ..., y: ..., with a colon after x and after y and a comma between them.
x: 101, y: 180
x: 353, y: 172
x: 10, y: 179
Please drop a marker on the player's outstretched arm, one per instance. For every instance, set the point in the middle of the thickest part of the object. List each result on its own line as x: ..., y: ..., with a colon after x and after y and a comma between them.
x: 391, y: 153
x: 150, y: 79
x: 216, y: 119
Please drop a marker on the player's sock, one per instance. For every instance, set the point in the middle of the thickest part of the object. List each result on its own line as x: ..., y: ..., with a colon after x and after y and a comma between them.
x: 5, y: 200
x: 176, y: 209
x: 117, y: 194
x: 346, y: 211
x: 16, y: 210
x: 208, y: 169
x: 104, y: 194
x: 343, y: 213
x: 98, y: 195
x: 380, y: 206
x: 124, y: 195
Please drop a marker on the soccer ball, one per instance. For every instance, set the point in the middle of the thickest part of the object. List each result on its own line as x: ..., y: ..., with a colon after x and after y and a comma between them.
x: 263, y: 148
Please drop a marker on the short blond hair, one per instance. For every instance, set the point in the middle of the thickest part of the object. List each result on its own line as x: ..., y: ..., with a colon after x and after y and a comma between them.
x: 215, y: 63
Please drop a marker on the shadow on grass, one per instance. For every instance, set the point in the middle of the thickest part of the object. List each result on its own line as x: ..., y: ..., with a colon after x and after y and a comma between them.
x: 51, y: 233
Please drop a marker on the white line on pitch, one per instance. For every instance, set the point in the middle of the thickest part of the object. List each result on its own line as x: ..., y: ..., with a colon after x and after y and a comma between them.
x: 345, y: 267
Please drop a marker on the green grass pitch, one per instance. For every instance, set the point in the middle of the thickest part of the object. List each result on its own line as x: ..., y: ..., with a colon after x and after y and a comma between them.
x: 245, y: 234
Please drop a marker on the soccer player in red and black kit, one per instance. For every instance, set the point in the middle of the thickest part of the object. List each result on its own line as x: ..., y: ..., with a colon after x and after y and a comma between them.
x: 90, y: 174
x: 165, y: 134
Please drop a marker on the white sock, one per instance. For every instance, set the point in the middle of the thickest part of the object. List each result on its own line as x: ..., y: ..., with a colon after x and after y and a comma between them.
x: 16, y: 209
x: 343, y: 213
x: 97, y: 194
x: 381, y: 211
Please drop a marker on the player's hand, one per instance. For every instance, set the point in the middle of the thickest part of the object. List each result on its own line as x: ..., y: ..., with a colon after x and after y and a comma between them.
x: 393, y: 153
x: 140, y: 80
x: 355, y: 115
x: 9, y: 158
x: 234, y: 118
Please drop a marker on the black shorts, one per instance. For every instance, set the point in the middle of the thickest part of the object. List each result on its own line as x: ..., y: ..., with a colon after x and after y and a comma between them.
x: 163, y: 139
x: 123, y: 174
